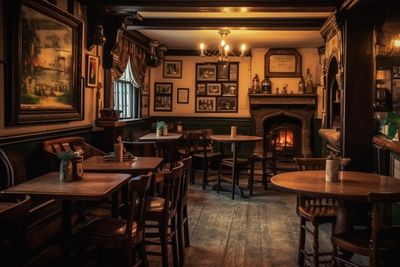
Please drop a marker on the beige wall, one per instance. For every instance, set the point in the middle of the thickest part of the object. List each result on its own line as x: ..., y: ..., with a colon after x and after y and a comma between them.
x: 248, y: 67
x: 89, y: 93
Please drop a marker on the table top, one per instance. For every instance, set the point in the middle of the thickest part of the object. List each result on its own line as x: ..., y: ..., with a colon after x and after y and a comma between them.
x: 93, y: 186
x: 236, y: 139
x: 138, y: 164
x: 354, y: 186
x: 154, y: 137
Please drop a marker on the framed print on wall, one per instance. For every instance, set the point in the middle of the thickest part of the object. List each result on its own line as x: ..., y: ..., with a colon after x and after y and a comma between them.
x: 205, y: 104
x: 282, y: 63
x: 163, y: 88
x: 44, y: 56
x: 92, y: 71
x: 162, y: 96
x: 213, y: 89
x: 172, y: 69
x: 201, y: 89
x: 145, y: 106
x: 223, y: 71
x: 183, y: 95
x: 229, y: 89
x: 227, y: 104
x: 206, y: 72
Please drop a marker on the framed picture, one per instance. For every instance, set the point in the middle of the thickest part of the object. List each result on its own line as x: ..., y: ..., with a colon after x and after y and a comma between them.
x: 227, y: 104
x: 145, y: 106
x: 172, y: 69
x: 282, y: 63
x: 92, y: 71
x: 163, y: 103
x: 146, y: 85
x: 44, y: 56
x: 163, y: 88
x: 213, y: 89
x: 183, y: 95
x: 233, y: 71
x: 200, y: 89
x: 206, y: 72
x: 205, y: 104
x: 229, y: 89
x: 223, y: 71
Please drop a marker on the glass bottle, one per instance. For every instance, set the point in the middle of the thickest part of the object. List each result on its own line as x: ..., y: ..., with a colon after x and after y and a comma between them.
x: 266, y: 86
x: 309, y: 83
x: 301, y: 87
x: 256, y: 84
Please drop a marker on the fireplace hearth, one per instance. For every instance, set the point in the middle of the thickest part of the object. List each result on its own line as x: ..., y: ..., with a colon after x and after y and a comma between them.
x: 289, y: 117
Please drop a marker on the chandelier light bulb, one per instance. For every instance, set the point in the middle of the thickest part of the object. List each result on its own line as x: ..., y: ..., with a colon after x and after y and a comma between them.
x: 243, y: 48
x: 202, y: 46
x: 226, y: 49
x: 223, y: 43
x: 396, y: 42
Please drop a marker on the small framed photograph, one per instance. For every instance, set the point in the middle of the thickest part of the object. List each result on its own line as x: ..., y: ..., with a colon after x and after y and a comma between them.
x: 146, y: 84
x: 229, y: 89
x: 205, y: 104
x: 163, y: 103
x: 206, y: 72
x: 213, y: 89
x: 233, y: 71
x: 92, y: 71
x: 223, y: 71
x: 163, y: 88
x: 201, y: 89
x: 227, y: 104
x: 183, y: 95
x: 172, y: 69
x: 145, y: 106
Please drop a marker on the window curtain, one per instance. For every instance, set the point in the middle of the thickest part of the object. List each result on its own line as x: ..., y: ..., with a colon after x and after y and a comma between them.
x: 123, y: 50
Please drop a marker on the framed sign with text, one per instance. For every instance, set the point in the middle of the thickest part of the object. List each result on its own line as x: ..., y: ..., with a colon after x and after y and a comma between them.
x: 282, y: 63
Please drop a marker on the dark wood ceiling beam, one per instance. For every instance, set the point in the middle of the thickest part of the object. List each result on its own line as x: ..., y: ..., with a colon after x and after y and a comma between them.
x: 212, y: 6
x: 243, y: 23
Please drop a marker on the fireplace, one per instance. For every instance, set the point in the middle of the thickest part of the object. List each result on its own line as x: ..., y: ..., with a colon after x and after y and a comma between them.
x: 286, y: 132
x: 288, y: 117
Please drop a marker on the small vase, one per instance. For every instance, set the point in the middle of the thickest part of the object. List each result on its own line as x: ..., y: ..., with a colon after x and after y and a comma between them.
x: 66, y: 171
x: 159, y: 131
x: 165, y: 131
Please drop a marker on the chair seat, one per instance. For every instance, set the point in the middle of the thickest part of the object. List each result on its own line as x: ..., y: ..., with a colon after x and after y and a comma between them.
x: 319, y: 213
x: 106, y: 228
x: 155, y: 204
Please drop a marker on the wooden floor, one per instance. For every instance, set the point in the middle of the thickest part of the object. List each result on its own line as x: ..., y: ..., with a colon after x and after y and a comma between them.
x: 257, y: 231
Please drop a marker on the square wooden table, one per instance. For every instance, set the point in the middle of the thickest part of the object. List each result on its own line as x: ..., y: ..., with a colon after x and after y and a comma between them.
x: 93, y: 187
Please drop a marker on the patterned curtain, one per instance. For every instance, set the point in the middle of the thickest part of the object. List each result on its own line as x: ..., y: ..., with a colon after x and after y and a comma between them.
x: 125, y: 49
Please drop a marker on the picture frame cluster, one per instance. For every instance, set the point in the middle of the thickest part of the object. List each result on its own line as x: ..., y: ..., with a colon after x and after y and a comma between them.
x: 216, y: 87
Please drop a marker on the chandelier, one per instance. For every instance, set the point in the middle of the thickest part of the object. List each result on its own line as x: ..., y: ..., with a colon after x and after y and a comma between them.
x: 222, y: 51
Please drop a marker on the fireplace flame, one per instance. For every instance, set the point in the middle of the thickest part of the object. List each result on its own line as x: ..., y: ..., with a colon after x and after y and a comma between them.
x: 284, y: 139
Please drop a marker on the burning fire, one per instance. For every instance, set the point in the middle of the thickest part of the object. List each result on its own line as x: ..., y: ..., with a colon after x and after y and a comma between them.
x: 284, y: 139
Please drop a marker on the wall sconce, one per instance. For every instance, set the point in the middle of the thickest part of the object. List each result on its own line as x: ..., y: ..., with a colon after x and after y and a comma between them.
x: 98, y: 39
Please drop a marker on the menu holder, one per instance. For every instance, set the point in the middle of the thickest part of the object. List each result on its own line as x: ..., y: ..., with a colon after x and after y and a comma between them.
x: 127, y: 156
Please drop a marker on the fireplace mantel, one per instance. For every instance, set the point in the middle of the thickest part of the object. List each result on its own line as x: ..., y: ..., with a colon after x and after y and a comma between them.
x: 283, y: 99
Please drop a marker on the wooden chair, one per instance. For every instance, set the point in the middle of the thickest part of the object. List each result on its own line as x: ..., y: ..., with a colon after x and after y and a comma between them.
x: 267, y: 158
x: 380, y: 243
x: 183, y: 220
x: 164, y: 210
x: 198, y: 145
x: 316, y: 211
x: 74, y: 143
x: 14, y: 214
x: 125, y: 234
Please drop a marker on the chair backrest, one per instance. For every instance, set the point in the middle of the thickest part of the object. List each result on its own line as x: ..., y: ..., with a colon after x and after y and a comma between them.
x: 12, y: 168
x: 305, y: 164
x: 269, y: 145
x: 197, y: 142
x: 74, y: 143
x: 171, y: 186
x: 137, y: 188
x: 187, y: 172
x: 380, y: 202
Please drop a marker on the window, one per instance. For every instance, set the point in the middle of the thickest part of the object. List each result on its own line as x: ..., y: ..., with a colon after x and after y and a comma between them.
x: 126, y: 95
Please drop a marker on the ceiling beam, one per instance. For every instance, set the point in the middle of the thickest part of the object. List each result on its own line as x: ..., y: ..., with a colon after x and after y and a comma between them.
x: 237, y: 23
x: 121, y: 6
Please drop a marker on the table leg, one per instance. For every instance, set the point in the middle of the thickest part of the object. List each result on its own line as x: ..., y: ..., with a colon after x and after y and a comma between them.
x: 344, y: 223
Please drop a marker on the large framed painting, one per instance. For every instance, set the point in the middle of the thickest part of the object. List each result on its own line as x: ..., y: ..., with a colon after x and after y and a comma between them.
x: 44, y: 58
x: 282, y: 63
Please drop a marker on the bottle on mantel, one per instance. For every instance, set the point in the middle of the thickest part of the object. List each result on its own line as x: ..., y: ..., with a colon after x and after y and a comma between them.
x: 309, y: 83
x: 301, y: 87
x: 266, y: 86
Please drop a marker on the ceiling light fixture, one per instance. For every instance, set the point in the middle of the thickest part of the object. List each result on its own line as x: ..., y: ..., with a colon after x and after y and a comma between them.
x: 222, y: 51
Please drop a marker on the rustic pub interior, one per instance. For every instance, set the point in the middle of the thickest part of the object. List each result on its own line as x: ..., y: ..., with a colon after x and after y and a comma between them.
x: 199, y: 133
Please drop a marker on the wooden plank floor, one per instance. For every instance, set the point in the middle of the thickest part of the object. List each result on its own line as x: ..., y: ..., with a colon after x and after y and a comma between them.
x: 257, y: 231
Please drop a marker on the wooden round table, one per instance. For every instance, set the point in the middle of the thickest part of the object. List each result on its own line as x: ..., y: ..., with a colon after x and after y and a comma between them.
x: 354, y: 188
x: 235, y: 141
